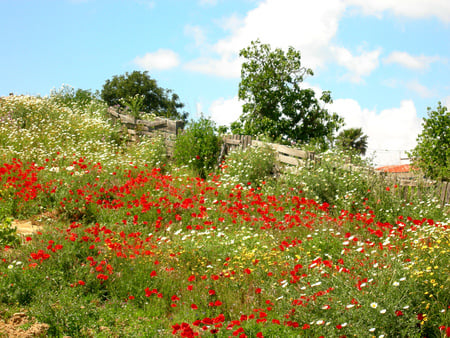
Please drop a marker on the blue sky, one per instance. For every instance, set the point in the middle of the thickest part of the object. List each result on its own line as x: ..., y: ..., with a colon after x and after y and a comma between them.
x: 384, y: 61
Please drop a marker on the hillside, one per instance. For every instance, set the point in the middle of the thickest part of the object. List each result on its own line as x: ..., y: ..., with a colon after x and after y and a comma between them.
x: 133, y: 245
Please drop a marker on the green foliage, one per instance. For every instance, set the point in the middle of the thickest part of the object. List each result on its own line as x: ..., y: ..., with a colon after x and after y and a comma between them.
x: 198, y: 146
x: 352, y: 140
x: 252, y: 165
x: 432, y: 153
x: 123, y: 89
x: 275, y: 104
x: 355, y: 187
x: 69, y: 97
x: 8, y: 234
x: 134, y: 104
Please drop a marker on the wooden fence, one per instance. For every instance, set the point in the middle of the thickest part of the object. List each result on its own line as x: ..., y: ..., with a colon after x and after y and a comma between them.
x: 284, y: 154
x: 417, y: 186
x: 168, y: 129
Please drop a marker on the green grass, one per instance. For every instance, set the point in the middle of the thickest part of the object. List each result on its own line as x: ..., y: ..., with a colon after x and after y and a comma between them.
x: 137, y: 250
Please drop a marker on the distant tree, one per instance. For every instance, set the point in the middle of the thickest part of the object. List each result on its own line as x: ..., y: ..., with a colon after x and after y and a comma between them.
x: 71, y: 97
x: 156, y: 100
x: 352, y: 139
x: 275, y: 104
x: 432, y: 153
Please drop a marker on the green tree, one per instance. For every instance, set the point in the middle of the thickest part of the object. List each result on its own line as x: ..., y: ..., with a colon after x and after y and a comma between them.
x: 275, y: 104
x: 352, y: 139
x: 432, y: 153
x: 156, y: 100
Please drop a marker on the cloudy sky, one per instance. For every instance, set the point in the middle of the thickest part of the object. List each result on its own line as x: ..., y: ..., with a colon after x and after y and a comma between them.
x: 384, y: 61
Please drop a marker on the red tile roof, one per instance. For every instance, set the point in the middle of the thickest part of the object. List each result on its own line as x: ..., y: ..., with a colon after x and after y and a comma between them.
x: 401, y: 168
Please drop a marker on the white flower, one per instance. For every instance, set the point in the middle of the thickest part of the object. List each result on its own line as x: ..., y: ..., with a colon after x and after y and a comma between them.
x: 373, y: 305
x: 372, y: 329
x: 396, y: 283
x: 383, y: 311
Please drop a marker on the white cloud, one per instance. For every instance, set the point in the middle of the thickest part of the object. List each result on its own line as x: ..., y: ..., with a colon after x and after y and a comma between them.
x: 408, y: 8
x: 390, y: 132
x: 308, y: 26
x: 358, y: 66
x: 223, y: 67
x: 224, y: 111
x: 162, y: 59
x: 420, y: 89
x: 410, y: 61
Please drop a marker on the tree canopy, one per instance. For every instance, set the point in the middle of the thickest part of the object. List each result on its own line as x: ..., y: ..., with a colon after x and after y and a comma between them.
x: 432, y: 153
x: 161, y: 102
x: 352, y: 139
x: 275, y: 104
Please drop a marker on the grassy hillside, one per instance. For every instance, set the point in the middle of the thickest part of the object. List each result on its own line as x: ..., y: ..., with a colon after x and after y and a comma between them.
x: 139, y: 247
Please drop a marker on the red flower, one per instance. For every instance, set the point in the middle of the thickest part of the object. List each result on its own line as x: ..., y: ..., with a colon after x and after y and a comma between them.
x: 194, y: 307
x: 398, y: 313
x: 258, y: 290
x: 102, y: 276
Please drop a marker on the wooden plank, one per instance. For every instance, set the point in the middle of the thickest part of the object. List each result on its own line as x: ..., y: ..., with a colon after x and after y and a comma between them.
x: 232, y: 141
x: 113, y: 113
x: 126, y: 119
x: 291, y: 151
x: 288, y: 159
x: 444, y: 188
x: 153, y: 124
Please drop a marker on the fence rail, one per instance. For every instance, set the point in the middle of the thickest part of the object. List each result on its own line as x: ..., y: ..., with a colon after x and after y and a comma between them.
x: 284, y: 154
x: 169, y: 129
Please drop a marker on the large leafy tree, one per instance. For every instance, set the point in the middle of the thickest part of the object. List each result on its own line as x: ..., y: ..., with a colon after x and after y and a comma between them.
x: 432, y: 153
x: 352, y: 139
x: 274, y: 102
x: 125, y: 88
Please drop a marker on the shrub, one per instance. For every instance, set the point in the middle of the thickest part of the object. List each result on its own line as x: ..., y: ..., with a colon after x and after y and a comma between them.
x: 198, y: 147
x: 251, y: 165
x: 8, y: 234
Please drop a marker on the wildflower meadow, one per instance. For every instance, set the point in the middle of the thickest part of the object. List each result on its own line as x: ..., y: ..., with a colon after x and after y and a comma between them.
x: 133, y: 245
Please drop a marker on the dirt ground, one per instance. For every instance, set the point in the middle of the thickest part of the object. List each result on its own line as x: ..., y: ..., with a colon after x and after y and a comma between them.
x: 26, y: 227
x: 19, y: 326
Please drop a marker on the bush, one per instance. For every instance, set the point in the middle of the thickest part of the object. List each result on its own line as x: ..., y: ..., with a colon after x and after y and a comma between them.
x: 8, y: 234
x: 251, y: 165
x: 198, y: 147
